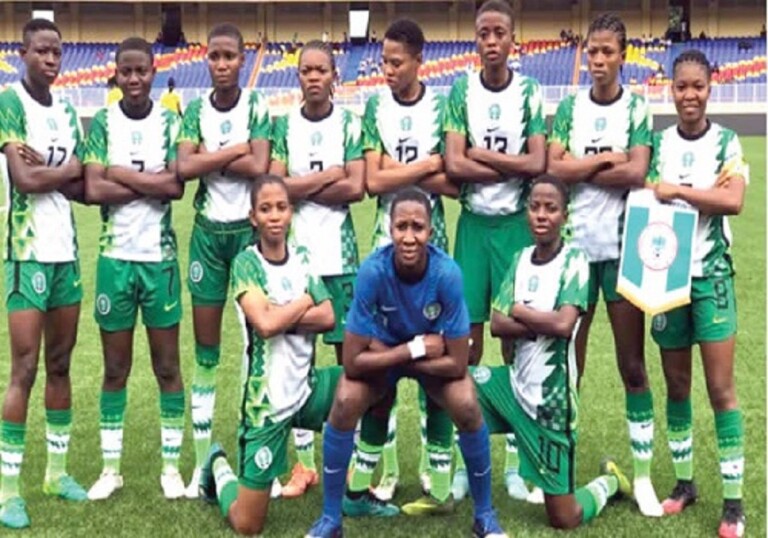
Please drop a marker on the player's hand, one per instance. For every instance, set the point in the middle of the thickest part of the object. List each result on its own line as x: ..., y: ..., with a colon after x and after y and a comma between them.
x: 201, y: 149
x: 243, y: 149
x: 666, y: 192
x: 30, y: 156
x: 434, y: 346
x: 436, y: 164
x: 475, y: 153
x: 568, y: 157
x: 377, y: 345
x: 726, y: 175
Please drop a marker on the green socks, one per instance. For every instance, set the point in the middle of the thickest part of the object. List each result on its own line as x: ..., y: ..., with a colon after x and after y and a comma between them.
x: 304, y: 440
x: 226, y: 484
x: 680, y: 437
x: 172, y: 427
x: 203, y: 399
x: 594, y: 496
x: 12, y: 454
x: 640, y: 420
x: 389, y: 453
x: 730, y: 448
x: 112, y: 406
x: 367, y: 457
x: 58, y: 424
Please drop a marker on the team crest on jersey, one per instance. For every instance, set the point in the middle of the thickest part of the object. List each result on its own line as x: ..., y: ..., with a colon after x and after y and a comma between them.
x: 136, y: 138
x: 286, y: 284
x: 494, y: 112
x: 533, y: 283
x: 432, y: 311
x: 316, y: 139
x: 481, y: 375
x: 600, y: 124
x: 406, y: 123
x: 263, y: 458
x: 52, y: 125
x: 103, y: 304
x: 38, y: 282
x: 688, y: 159
x: 657, y: 246
x: 659, y: 322
x: 226, y: 127
x: 195, y: 271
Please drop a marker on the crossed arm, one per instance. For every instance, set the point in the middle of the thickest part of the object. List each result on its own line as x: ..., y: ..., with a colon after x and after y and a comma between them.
x: 31, y: 175
x: 525, y: 322
x: 248, y: 159
x: 299, y: 315
x: 336, y: 185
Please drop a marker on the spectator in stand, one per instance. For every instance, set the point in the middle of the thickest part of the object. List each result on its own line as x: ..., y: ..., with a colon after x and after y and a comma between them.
x: 374, y: 39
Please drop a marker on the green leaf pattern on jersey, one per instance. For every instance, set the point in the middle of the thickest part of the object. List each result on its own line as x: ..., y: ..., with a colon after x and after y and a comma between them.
x: 258, y: 117
x: 371, y: 136
x: 248, y: 275
x: 533, y: 113
x: 456, y: 111
x: 349, y: 255
x: 563, y: 122
x: 96, y: 148
x: 280, y: 140
x: 77, y: 131
x: 353, y: 143
x: 439, y: 112
x: 575, y: 280
x: 654, y: 175
x: 190, y: 127
x: 170, y: 134
x: 13, y: 125
x: 640, y: 127
x: 504, y: 300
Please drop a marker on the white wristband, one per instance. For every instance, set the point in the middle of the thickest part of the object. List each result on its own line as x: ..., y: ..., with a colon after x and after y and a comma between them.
x: 417, y: 348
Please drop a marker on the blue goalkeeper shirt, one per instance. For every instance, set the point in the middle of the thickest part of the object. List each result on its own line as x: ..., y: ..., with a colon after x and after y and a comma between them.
x: 395, y: 311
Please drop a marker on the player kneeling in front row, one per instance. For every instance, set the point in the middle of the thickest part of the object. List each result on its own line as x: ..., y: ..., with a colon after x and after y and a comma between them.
x: 540, y: 304
x: 408, y: 319
x: 285, y: 306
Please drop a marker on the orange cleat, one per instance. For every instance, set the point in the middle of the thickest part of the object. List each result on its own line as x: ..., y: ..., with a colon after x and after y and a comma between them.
x: 301, y: 479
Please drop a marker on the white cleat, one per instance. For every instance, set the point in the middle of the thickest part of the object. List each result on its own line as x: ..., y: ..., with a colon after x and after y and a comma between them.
x: 108, y: 483
x: 515, y: 485
x: 193, y: 488
x: 172, y: 484
x: 536, y: 496
x: 646, y: 499
x: 277, y: 489
x: 386, y: 488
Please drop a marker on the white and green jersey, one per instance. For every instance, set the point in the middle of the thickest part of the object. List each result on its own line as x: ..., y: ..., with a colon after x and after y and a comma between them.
x: 407, y: 132
x: 139, y: 230
x: 696, y: 162
x: 40, y: 226
x: 225, y: 197
x: 276, y: 373
x: 585, y: 127
x: 306, y: 146
x: 500, y: 120
x: 543, y: 376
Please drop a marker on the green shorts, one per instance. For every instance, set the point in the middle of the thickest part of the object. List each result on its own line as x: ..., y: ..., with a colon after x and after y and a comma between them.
x: 546, y: 455
x: 263, y: 451
x: 710, y: 316
x: 603, y: 276
x: 123, y: 286
x: 484, y: 249
x: 342, y: 289
x: 41, y: 286
x: 212, y: 248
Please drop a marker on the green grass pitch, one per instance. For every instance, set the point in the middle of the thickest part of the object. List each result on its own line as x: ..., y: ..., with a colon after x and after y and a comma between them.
x: 140, y: 510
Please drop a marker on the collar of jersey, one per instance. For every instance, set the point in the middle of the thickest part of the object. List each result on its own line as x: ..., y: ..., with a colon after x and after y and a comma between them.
x: 48, y: 102
x: 272, y: 262
x: 694, y: 137
x: 132, y: 116
x: 228, y: 108
x: 422, y: 92
x: 497, y: 90
x: 609, y: 102
x: 315, y: 120
x: 545, y: 262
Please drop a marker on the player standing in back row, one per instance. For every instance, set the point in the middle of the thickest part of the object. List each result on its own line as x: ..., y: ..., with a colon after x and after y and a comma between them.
x: 494, y: 143
x: 317, y: 148
x: 130, y: 169
x: 40, y: 137
x: 224, y: 141
x: 600, y: 145
x: 403, y: 141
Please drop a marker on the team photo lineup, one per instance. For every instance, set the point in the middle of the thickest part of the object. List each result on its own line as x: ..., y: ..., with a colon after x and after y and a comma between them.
x: 440, y: 257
